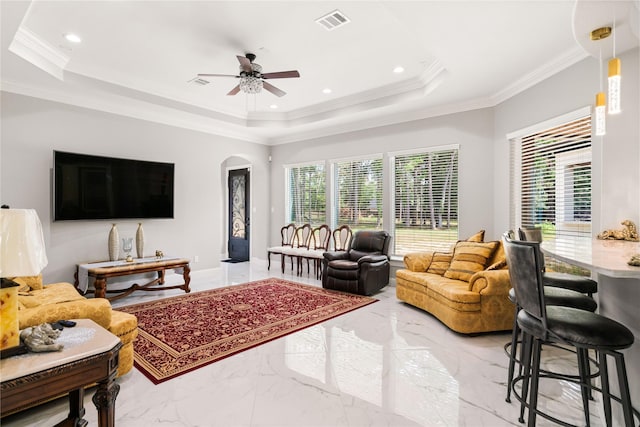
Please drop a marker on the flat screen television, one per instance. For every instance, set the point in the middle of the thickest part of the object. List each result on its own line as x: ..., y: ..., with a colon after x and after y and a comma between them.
x: 95, y: 187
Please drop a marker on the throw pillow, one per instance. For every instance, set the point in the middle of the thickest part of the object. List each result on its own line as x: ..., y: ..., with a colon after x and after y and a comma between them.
x: 469, y: 258
x: 23, y: 285
x: 478, y: 237
x: 33, y: 282
x: 440, y: 263
x: 497, y: 265
x: 418, y: 261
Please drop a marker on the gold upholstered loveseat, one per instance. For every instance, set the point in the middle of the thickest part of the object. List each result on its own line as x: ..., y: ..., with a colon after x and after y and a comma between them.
x: 60, y: 301
x: 467, y: 289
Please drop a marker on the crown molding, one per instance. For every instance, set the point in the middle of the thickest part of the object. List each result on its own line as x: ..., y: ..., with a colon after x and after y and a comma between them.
x: 386, y: 120
x: 141, y: 111
x: 28, y: 46
x: 543, y: 72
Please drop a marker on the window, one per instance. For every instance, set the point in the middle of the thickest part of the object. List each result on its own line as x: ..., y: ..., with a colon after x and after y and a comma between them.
x: 425, y: 201
x: 358, y: 193
x: 551, y: 180
x: 306, y: 194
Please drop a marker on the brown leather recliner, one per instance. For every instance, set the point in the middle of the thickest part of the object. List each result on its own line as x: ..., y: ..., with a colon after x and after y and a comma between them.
x: 363, y: 268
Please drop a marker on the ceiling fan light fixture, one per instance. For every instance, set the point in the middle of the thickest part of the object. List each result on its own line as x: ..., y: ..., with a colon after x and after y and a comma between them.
x: 250, y: 84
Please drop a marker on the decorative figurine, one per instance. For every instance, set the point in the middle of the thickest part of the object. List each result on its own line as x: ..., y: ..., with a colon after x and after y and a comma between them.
x: 629, y: 232
x: 41, y: 338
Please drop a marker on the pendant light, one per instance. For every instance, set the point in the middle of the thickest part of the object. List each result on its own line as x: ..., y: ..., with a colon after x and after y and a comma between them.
x: 601, y: 103
x: 601, y: 121
x: 614, y: 78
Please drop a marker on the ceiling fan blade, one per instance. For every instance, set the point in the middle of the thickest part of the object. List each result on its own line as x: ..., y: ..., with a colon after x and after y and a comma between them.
x: 235, y: 90
x: 281, y: 74
x: 245, y: 63
x: 274, y: 90
x: 217, y: 75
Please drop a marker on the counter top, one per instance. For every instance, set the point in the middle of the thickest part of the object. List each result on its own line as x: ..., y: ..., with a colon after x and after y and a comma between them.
x: 608, y: 257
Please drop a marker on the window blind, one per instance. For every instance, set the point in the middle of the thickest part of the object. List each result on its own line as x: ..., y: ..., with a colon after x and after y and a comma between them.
x: 425, y: 201
x: 306, y: 194
x: 551, y: 181
x: 359, y: 193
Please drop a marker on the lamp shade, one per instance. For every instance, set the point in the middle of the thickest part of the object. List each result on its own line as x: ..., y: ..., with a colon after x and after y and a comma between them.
x: 22, y: 250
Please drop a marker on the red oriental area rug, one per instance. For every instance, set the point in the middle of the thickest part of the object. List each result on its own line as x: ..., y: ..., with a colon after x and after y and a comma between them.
x: 183, y: 333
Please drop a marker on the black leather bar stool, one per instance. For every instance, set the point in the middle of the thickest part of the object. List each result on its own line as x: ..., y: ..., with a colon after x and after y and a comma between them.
x: 552, y: 296
x: 581, y: 284
x: 556, y: 296
x: 581, y: 329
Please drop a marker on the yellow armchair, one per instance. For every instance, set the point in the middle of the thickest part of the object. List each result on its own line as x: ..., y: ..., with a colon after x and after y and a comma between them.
x: 59, y: 301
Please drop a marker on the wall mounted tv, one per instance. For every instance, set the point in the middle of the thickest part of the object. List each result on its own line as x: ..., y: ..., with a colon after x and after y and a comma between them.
x: 95, y: 187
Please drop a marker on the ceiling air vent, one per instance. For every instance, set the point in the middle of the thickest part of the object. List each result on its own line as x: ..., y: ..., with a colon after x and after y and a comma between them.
x: 333, y: 20
x: 199, y: 81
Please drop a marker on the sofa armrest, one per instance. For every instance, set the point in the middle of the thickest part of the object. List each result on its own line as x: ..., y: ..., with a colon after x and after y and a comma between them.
x: 331, y: 256
x: 96, y: 309
x: 418, y: 261
x: 490, y: 282
x: 372, y: 259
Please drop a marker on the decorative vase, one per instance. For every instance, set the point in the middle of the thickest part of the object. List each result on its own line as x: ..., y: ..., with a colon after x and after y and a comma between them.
x: 140, y: 241
x: 114, y: 243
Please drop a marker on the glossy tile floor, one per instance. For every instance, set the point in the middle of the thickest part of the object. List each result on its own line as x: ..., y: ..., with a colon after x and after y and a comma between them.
x: 386, y: 364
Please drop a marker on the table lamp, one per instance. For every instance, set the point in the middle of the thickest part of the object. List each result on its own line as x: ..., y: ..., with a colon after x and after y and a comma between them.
x: 22, y: 253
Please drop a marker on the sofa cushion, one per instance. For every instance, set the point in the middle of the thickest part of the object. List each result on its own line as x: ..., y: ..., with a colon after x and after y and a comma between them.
x: 469, y: 258
x: 440, y: 263
x: 61, y: 292
x: 449, y: 292
x: 418, y: 261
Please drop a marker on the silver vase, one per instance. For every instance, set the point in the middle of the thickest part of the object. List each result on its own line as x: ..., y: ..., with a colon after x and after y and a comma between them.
x: 114, y: 243
x: 140, y: 241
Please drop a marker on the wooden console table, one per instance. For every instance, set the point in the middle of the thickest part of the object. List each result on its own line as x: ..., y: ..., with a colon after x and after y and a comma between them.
x: 101, y: 272
x: 90, y: 356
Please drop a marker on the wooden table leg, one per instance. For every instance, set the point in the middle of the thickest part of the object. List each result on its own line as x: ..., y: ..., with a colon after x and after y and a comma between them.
x: 100, y: 286
x: 76, y: 410
x: 105, y: 401
x: 187, y: 278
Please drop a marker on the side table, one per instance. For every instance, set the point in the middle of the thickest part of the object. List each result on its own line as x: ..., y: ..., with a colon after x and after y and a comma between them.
x: 90, y: 356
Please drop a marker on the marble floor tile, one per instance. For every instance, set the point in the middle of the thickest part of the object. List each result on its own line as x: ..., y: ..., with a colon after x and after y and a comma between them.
x: 386, y: 364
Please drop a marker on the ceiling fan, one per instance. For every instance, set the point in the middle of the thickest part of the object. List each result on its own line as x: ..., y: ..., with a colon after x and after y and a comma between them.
x: 252, y: 79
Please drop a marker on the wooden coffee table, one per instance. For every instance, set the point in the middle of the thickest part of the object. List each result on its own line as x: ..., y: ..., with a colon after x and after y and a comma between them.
x: 102, y: 272
x: 90, y: 356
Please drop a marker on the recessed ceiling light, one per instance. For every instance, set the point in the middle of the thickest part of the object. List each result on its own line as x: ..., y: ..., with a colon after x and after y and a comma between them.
x: 398, y: 70
x: 273, y: 106
x: 73, y: 38
x: 326, y: 90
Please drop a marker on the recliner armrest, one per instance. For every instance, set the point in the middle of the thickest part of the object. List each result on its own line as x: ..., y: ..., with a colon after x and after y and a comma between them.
x: 331, y: 256
x: 370, y: 259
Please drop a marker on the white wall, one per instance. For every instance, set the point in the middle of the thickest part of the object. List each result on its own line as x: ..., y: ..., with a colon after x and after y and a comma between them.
x: 616, y: 156
x: 33, y: 128
x: 473, y: 131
